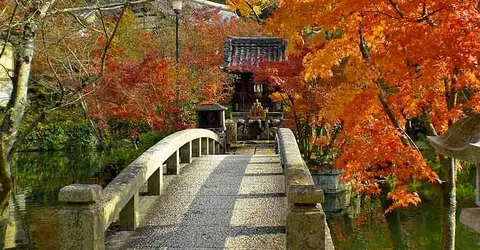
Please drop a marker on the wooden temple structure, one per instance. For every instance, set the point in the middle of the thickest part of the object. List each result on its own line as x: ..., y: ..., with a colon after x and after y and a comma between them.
x: 256, y: 115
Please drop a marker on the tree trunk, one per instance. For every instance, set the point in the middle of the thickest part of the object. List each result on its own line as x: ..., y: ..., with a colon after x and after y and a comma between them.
x: 16, y: 108
x: 18, y: 102
x: 450, y: 207
x: 93, y: 126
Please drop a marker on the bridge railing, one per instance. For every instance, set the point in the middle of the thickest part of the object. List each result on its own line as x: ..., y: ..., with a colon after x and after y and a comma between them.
x: 306, y: 223
x: 87, y: 210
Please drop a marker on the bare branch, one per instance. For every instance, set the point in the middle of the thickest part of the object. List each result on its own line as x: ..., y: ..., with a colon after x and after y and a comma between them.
x: 70, y: 98
x: 4, y: 45
x: 111, y: 6
x: 257, y: 18
x: 49, y: 62
x: 82, y: 24
x: 6, y: 71
x: 397, y: 8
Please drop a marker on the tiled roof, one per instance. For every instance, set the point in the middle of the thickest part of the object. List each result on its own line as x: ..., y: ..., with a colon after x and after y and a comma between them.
x: 211, y: 107
x: 243, y: 54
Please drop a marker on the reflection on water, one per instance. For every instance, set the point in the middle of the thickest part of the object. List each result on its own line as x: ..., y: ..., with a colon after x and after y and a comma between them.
x: 354, y: 223
x: 37, y: 179
x: 413, y: 228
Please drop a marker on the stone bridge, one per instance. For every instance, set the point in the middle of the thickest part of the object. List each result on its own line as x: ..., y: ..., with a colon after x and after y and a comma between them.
x: 184, y: 193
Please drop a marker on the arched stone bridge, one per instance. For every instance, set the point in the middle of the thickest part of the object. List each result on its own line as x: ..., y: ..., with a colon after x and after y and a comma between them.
x: 200, y: 199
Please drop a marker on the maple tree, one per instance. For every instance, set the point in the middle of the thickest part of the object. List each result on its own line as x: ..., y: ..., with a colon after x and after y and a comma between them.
x: 305, y: 102
x: 402, y: 60
x: 26, y: 26
x: 140, y: 89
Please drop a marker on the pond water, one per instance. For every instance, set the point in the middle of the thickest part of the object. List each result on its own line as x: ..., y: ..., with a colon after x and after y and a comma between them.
x: 413, y: 228
x: 39, y: 177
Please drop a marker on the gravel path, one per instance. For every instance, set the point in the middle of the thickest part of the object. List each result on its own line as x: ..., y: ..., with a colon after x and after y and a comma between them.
x: 217, y: 202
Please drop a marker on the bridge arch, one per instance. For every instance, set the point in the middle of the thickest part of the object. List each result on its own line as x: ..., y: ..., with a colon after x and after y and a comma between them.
x: 88, y: 210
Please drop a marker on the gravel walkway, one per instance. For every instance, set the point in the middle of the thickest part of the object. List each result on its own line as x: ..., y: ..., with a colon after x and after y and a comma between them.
x: 217, y: 202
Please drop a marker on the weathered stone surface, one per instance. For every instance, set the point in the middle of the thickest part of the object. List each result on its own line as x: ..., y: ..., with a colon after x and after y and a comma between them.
x: 296, y: 171
x: 197, y: 147
x: 328, y: 179
x: 231, y: 131
x: 306, y: 224
x: 305, y: 194
x: 470, y: 217
x: 129, y: 217
x: 173, y: 163
x: 186, y: 153
x: 462, y: 141
x: 305, y: 228
x: 205, y: 146
x: 155, y: 182
x: 79, y: 228
x: 80, y: 193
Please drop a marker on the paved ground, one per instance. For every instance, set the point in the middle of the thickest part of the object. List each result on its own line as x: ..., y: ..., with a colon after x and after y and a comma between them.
x: 220, y: 201
x: 253, y: 148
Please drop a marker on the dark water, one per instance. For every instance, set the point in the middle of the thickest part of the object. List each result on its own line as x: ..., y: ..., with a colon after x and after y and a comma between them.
x: 38, y: 177
x: 413, y: 228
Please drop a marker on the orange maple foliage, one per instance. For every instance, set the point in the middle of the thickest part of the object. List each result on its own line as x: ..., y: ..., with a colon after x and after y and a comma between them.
x: 305, y: 101
x: 402, y: 60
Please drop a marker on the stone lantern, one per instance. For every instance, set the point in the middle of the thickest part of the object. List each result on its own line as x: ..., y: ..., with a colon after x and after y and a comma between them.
x: 462, y: 141
x: 211, y: 116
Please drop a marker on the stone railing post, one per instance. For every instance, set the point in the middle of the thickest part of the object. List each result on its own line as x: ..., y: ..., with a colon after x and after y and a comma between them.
x: 129, y: 217
x: 211, y: 148
x: 305, y: 219
x: 173, y: 163
x: 205, y: 146
x: 186, y: 153
x: 197, y: 147
x: 155, y: 182
x: 218, y: 148
x: 477, y: 191
x: 79, y: 222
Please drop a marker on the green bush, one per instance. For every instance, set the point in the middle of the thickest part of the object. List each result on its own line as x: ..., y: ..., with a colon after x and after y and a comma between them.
x: 56, y: 136
x: 80, y: 136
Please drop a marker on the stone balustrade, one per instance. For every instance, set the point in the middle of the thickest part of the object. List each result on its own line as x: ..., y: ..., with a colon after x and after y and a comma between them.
x: 306, y: 223
x: 88, y: 211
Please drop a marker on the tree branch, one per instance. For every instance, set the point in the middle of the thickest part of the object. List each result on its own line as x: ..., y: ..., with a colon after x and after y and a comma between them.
x: 4, y: 45
x: 382, y: 96
x: 61, y: 103
x: 49, y: 62
x: 397, y: 8
x: 257, y: 18
x: 111, y: 6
